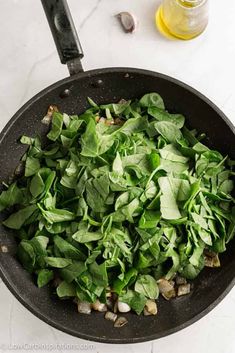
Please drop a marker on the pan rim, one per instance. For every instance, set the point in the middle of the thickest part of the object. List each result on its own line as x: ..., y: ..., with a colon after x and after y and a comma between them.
x: 106, y: 340
x: 125, y: 70
x: 11, y: 286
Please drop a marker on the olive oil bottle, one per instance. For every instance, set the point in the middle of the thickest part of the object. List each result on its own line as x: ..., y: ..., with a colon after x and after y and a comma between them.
x: 184, y: 19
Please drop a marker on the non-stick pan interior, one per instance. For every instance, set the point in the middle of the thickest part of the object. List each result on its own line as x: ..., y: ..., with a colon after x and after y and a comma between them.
x: 105, y: 86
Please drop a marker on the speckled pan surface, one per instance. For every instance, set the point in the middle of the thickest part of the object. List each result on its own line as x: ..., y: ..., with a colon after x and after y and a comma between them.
x: 104, y: 86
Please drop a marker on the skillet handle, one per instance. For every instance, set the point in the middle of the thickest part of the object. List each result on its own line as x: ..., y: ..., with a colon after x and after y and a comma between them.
x: 64, y: 34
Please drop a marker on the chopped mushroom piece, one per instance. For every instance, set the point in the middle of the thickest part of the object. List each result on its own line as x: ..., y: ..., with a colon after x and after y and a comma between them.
x: 109, y: 315
x: 183, y: 289
x: 84, y: 307
x: 121, y: 321
x: 150, y: 308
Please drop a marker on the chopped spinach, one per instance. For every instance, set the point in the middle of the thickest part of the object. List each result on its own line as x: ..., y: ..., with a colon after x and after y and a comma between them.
x: 119, y: 202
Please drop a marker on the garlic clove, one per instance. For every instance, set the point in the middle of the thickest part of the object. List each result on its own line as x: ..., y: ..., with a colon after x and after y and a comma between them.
x: 123, y: 307
x: 128, y: 21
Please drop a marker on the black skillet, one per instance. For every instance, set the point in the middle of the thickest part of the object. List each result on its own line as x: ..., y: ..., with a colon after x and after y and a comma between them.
x: 70, y: 95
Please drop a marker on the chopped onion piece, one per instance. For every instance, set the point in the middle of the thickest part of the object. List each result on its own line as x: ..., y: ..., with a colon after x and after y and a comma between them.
x: 150, y: 308
x: 47, y: 118
x: 84, y: 307
x: 180, y: 280
x: 183, y: 289
x: 164, y: 286
x: 4, y: 248
x: 98, y: 306
x: 109, y: 315
x: 170, y: 294
x: 212, y: 261
x: 121, y: 321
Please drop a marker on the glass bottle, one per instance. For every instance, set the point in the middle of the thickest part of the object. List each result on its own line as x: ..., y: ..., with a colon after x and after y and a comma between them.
x: 184, y: 19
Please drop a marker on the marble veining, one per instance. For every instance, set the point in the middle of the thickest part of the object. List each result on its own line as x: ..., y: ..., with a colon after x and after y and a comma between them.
x: 29, y: 63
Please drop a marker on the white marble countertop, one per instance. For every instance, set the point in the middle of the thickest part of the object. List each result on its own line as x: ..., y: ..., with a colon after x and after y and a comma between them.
x: 29, y: 62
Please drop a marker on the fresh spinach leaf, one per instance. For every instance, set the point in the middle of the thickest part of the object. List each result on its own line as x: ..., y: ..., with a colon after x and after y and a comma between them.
x: 152, y: 100
x: 16, y: 220
x: 66, y: 290
x: 147, y: 286
x: 44, y: 277
x: 10, y: 197
x: 57, y: 124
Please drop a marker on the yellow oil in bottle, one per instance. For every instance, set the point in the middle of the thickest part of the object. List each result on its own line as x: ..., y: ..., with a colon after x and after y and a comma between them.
x: 184, y: 19
x: 189, y: 3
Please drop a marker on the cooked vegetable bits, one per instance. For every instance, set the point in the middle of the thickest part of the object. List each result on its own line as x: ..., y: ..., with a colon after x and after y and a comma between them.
x: 123, y: 203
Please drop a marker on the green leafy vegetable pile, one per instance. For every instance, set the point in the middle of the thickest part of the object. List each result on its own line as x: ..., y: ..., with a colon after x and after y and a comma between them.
x: 122, y: 196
